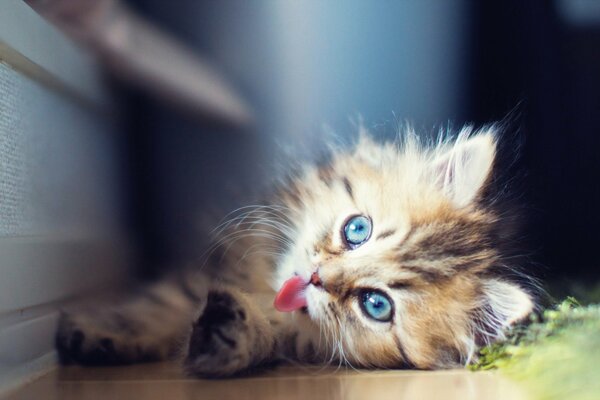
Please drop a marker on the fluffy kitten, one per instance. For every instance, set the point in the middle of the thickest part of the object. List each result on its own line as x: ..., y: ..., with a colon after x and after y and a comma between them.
x: 387, y: 256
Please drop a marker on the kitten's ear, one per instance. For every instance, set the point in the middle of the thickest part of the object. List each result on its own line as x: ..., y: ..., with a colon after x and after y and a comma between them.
x: 505, y: 304
x: 463, y: 169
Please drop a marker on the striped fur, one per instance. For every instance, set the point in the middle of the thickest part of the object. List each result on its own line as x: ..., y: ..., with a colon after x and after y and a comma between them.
x: 435, y: 250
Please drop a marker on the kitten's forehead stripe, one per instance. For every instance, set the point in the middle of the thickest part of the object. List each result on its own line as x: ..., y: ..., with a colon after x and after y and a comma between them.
x: 454, y: 240
x: 428, y: 275
x: 400, y: 284
x: 348, y: 187
x: 326, y: 174
x: 385, y: 234
x: 441, y: 248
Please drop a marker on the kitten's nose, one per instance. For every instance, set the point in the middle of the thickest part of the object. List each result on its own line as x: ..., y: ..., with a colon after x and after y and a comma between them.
x: 315, y: 279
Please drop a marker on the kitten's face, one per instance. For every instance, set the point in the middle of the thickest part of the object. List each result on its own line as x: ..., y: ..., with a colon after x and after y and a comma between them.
x: 398, y: 251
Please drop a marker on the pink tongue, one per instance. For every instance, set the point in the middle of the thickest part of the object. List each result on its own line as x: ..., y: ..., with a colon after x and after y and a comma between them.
x: 291, y: 295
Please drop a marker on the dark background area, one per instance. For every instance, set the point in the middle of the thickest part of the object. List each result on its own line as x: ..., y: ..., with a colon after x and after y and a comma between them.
x: 525, y: 53
x: 537, y: 61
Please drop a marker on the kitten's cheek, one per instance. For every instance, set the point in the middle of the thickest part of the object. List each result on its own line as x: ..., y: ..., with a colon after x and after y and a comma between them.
x: 314, y: 302
x: 310, y: 303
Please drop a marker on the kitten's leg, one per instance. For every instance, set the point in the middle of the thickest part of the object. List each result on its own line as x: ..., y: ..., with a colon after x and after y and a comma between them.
x: 149, y: 326
x: 300, y: 339
x: 230, y: 336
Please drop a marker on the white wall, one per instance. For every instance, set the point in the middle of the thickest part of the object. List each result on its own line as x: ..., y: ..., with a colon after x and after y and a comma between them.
x: 61, y: 232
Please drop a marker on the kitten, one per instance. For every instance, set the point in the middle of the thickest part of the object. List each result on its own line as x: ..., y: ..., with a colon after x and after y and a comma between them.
x: 389, y: 256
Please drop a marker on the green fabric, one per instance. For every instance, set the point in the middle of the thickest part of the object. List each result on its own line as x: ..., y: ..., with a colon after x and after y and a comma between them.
x: 557, y: 356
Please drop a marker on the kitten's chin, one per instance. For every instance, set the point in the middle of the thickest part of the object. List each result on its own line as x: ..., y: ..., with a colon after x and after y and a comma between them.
x: 316, y: 303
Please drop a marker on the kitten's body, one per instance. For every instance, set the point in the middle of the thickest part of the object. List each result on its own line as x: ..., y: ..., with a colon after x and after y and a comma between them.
x: 434, y: 254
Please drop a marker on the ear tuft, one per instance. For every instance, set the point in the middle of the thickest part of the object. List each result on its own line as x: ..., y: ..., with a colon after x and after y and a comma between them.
x: 504, y: 305
x: 462, y: 170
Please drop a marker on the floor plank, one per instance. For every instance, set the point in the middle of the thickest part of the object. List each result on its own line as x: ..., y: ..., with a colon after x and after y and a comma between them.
x: 165, y: 381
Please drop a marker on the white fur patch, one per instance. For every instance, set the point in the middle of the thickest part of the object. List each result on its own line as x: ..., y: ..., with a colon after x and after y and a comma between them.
x: 508, y: 302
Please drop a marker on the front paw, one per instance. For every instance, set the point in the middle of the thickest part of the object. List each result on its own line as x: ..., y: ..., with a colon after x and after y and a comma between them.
x: 228, y: 338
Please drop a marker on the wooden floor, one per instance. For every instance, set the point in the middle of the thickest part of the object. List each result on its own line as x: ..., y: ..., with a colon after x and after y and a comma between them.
x: 165, y: 382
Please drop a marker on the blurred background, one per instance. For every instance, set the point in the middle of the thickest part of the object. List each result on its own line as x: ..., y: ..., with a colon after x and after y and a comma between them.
x: 128, y: 128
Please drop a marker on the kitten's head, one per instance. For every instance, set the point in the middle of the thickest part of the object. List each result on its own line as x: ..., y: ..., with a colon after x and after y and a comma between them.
x: 402, y: 252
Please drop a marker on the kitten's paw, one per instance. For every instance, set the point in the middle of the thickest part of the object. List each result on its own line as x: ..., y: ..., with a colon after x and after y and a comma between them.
x: 229, y: 337
x: 89, y: 340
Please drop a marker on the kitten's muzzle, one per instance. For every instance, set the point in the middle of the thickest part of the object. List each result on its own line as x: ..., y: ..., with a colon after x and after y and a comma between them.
x: 315, y: 279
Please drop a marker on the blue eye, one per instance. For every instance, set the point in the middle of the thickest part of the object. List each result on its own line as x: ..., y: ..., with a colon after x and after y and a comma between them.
x: 357, y: 231
x: 376, y: 305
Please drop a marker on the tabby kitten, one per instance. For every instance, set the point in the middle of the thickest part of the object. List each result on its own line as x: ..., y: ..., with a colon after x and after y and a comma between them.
x: 388, y: 256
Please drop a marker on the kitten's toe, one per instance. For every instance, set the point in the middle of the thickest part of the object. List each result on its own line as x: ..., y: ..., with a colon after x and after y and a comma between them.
x: 228, y: 338
x: 81, y: 340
